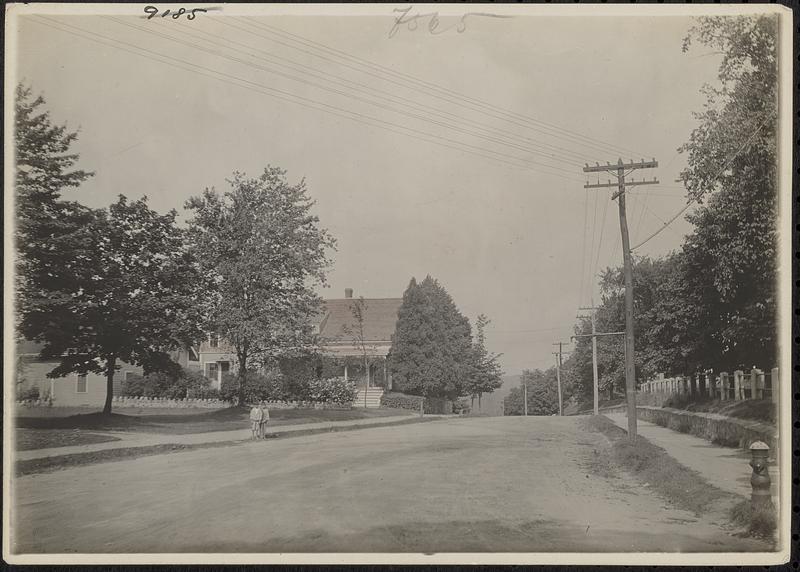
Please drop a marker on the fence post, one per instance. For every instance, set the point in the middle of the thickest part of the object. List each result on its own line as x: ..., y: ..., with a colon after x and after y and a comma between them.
x: 421, y: 407
x: 738, y: 376
x: 757, y: 384
x: 723, y: 384
x: 775, y: 383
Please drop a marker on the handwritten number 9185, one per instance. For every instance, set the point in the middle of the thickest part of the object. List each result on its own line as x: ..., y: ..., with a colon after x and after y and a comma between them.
x: 152, y: 12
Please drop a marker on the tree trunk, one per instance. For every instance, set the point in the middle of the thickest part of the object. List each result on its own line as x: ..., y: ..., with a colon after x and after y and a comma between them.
x: 479, y: 400
x: 111, y: 364
x: 242, y: 375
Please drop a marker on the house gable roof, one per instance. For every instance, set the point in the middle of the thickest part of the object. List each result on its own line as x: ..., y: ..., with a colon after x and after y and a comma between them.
x: 380, y: 318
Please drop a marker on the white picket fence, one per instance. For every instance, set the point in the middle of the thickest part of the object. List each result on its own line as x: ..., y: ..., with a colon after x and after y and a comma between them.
x: 755, y: 384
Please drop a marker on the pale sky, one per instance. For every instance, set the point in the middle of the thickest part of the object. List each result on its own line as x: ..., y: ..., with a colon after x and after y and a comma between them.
x: 506, y: 241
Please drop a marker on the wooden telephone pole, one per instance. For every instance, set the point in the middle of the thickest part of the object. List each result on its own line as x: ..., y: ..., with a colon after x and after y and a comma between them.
x: 558, y: 355
x: 525, y: 395
x: 619, y: 171
x: 595, y: 387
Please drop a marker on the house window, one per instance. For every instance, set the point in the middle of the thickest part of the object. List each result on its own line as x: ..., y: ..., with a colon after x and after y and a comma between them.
x: 225, y: 366
x: 80, y: 385
x: 213, y: 341
x: 127, y: 375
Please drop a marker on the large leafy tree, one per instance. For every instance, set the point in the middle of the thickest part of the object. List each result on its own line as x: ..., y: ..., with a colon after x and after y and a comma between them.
x: 265, y: 251
x: 127, y: 291
x: 664, y: 321
x: 729, y: 259
x: 486, y: 374
x: 711, y: 303
x: 431, y: 351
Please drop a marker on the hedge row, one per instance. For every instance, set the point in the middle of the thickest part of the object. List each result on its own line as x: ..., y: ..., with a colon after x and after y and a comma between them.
x: 401, y: 401
x: 431, y: 405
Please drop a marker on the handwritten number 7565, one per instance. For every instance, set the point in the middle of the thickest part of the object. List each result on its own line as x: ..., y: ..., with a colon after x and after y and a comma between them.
x: 190, y: 14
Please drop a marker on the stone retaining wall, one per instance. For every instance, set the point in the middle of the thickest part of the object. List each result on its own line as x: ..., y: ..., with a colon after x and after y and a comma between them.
x: 729, y: 431
x: 120, y: 401
x: 720, y: 429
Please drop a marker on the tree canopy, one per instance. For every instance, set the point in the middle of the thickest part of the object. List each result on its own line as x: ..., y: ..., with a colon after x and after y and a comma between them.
x: 265, y: 251
x: 126, y: 291
x: 47, y: 226
x: 730, y: 258
x: 542, y: 392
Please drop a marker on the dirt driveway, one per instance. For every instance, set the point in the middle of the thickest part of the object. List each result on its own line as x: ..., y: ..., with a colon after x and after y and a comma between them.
x: 503, y: 484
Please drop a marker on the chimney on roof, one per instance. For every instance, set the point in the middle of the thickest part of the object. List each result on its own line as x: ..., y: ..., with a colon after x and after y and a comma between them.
x: 348, y: 292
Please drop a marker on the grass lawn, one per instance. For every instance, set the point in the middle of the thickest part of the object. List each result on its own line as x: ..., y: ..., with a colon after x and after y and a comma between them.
x: 176, y: 421
x: 28, y: 439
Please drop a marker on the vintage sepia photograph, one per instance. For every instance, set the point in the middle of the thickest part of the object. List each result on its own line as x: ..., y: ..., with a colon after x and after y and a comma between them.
x: 397, y: 284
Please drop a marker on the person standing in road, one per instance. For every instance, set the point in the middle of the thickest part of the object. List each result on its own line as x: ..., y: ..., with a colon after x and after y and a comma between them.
x: 256, y: 415
x: 262, y: 432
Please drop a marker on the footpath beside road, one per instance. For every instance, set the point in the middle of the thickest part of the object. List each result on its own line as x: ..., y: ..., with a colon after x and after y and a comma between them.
x: 129, y: 439
x: 724, y: 467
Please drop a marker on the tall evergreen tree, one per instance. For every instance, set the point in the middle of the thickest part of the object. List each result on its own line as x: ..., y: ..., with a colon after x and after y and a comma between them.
x: 431, y: 351
x: 48, y: 228
x: 486, y: 374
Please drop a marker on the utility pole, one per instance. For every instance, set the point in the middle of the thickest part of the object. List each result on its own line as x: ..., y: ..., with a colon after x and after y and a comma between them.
x: 618, y: 171
x: 525, y: 395
x: 558, y: 355
x: 596, y: 386
x: 594, y: 335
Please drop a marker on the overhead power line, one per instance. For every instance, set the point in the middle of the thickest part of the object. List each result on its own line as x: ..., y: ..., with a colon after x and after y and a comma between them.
x: 490, y: 135
x: 438, y: 91
x: 600, y: 242
x: 694, y: 199
x: 583, y: 245
x: 556, y: 150
x: 514, y: 161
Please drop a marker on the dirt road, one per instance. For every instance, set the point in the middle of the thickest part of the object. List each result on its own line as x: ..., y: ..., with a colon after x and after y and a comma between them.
x: 502, y: 484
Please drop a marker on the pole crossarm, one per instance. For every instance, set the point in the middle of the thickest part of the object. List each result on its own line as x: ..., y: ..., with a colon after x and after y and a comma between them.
x: 607, y: 185
x: 597, y: 334
x: 598, y: 168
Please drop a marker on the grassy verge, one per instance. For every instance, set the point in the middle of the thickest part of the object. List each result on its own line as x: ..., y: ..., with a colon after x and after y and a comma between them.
x: 681, y: 486
x: 762, y: 410
x: 761, y: 523
x: 58, y: 462
x: 186, y: 421
x: 29, y: 439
